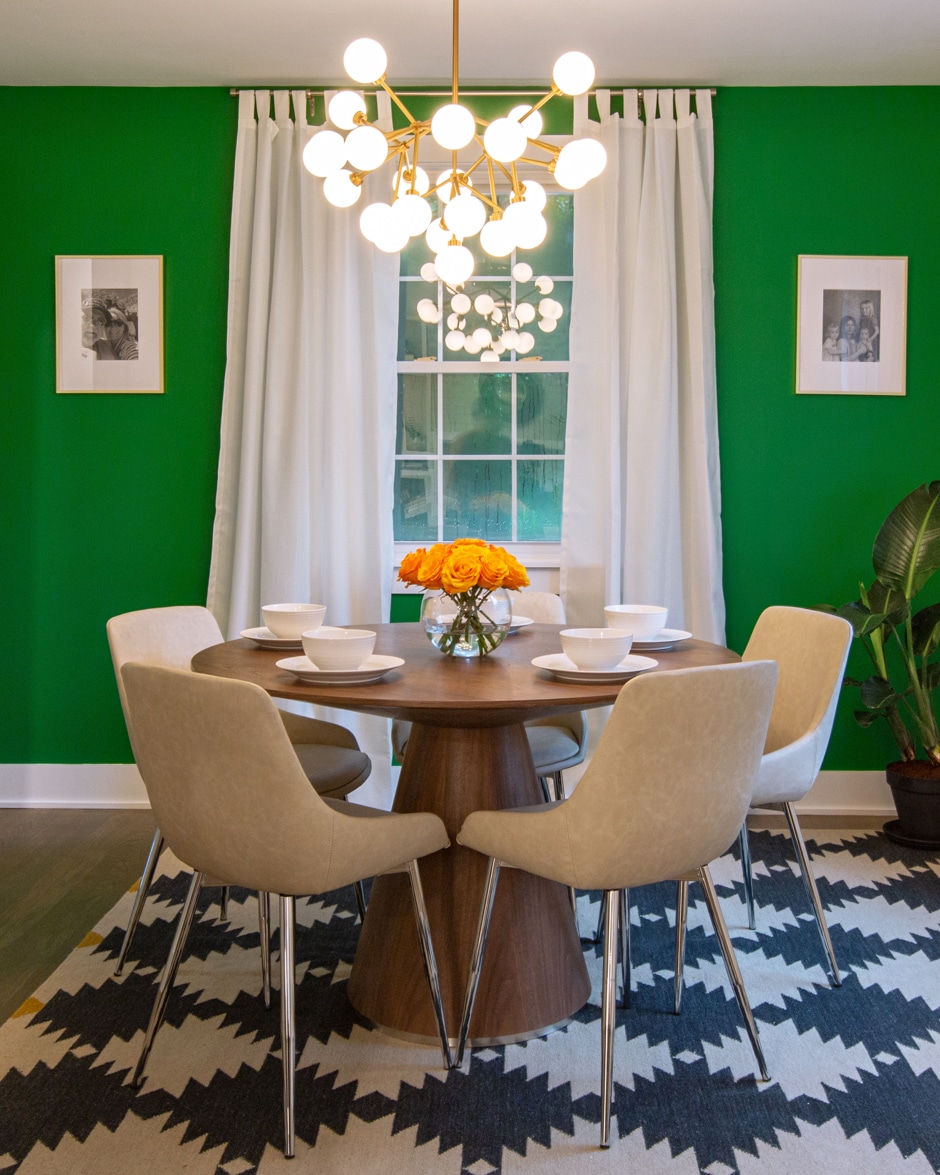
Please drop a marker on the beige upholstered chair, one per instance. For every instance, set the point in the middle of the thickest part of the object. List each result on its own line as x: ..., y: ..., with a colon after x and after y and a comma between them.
x: 171, y: 637
x: 811, y: 649
x: 233, y: 802
x: 665, y: 793
x: 556, y: 743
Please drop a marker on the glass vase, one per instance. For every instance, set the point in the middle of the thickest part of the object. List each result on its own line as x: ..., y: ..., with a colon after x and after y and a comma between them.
x: 467, y: 624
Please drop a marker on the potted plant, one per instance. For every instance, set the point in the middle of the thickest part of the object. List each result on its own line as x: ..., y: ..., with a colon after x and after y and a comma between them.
x: 902, y: 644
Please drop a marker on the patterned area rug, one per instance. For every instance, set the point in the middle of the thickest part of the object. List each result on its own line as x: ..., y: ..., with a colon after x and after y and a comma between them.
x: 855, y: 1071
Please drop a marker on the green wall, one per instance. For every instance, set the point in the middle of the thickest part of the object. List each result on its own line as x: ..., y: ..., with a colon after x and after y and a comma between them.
x: 107, y: 501
x: 807, y: 480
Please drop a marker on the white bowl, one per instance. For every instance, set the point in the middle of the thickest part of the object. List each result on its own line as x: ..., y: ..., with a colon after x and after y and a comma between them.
x: 596, y: 648
x: 644, y: 620
x: 338, y: 648
x: 290, y: 620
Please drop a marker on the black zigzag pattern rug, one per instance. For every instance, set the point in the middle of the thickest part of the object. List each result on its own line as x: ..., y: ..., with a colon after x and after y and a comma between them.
x: 855, y: 1071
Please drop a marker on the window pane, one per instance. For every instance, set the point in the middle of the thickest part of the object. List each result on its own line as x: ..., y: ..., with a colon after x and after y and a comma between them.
x: 541, y: 409
x: 555, y: 256
x: 415, y: 501
x: 478, y: 500
x: 416, y: 339
x: 477, y: 414
x: 540, y: 486
x: 417, y: 413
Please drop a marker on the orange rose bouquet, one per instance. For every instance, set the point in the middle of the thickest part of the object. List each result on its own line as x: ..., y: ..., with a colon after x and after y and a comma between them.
x: 468, y: 619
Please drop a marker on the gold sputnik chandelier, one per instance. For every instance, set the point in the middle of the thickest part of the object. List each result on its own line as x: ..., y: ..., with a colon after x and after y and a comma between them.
x: 468, y: 197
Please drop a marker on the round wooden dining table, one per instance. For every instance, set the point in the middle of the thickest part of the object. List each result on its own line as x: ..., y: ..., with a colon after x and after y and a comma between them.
x: 467, y: 750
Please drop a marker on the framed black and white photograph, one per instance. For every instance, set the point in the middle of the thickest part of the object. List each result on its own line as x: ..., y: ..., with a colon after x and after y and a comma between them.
x: 851, y: 326
x: 109, y: 324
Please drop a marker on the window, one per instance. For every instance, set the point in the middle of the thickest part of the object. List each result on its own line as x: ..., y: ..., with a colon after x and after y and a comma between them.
x: 480, y: 446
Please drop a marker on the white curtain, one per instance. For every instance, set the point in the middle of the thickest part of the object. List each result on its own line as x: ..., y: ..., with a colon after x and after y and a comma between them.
x: 642, y: 493
x: 303, y: 506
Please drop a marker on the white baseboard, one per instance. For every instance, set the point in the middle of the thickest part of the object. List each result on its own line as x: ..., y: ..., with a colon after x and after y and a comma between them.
x: 118, y: 785
x: 71, y: 785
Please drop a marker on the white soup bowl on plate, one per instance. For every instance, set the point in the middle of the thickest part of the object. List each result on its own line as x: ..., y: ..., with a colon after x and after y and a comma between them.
x: 645, y: 621
x: 338, y: 648
x: 290, y: 621
x: 596, y: 648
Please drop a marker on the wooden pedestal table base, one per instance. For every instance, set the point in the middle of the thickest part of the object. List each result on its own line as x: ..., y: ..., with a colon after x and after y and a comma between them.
x: 534, y: 976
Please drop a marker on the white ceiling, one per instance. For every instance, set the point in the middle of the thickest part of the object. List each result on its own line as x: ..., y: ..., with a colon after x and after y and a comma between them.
x: 301, y: 42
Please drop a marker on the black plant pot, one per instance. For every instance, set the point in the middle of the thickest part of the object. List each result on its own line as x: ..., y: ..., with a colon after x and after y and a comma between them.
x: 915, y: 785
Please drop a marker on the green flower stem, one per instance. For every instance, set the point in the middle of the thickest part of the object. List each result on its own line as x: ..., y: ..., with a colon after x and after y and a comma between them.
x: 471, y: 621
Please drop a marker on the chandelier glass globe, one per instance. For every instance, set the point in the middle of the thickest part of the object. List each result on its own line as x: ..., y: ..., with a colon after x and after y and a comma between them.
x: 365, y: 61
x: 505, y: 140
x: 373, y: 220
x: 366, y: 148
x: 573, y: 73
x: 465, y: 215
x: 535, y: 195
x: 340, y: 190
x: 413, y: 213
x: 530, y: 120
x: 428, y: 311
x: 524, y: 342
x: 454, y: 264
x: 497, y: 238
x: 325, y: 153
x: 453, y: 127
x: 413, y: 179
x: 454, y: 340
x: 460, y: 303
x: 579, y: 162
x: 447, y: 186
x: 437, y: 238
x: 532, y: 231
x: 429, y: 273
x: 392, y: 238
x: 344, y: 107
x: 484, y: 304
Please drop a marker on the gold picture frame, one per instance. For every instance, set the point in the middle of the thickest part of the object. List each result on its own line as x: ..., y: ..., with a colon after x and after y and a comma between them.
x: 109, y: 324
x: 851, y: 326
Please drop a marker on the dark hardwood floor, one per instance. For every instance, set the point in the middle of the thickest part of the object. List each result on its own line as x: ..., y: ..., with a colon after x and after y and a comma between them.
x: 60, y: 871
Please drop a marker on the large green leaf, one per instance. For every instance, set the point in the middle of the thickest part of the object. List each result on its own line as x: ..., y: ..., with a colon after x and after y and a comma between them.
x: 907, y: 548
x: 925, y: 630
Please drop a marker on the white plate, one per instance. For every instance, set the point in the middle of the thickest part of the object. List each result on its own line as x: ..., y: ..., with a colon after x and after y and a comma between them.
x: 665, y: 640
x: 265, y: 639
x: 371, y: 669
x: 518, y: 622
x: 565, y: 669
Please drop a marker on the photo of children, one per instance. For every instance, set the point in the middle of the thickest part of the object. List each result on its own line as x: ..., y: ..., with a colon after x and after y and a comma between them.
x: 109, y: 323
x: 850, y: 330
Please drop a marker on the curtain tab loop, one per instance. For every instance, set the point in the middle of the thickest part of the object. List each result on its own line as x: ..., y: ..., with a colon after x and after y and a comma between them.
x: 581, y: 123
x: 703, y: 106
x: 631, y: 107
x: 246, y: 108
x: 603, y: 105
x: 281, y: 107
x: 299, y: 100
x: 383, y: 106
x: 263, y: 104
x: 649, y: 106
x: 683, y: 107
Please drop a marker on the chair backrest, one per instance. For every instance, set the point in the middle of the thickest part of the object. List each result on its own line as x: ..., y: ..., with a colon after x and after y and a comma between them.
x: 230, y: 796
x: 811, y: 649
x: 668, y: 787
x: 170, y: 637
x: 544, y: 607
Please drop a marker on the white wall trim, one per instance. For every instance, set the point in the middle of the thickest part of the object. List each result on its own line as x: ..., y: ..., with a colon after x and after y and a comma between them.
x: 118, y: 785
x: 71, y: 785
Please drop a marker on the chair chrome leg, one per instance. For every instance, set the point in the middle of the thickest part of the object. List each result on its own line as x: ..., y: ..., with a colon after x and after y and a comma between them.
x: 745, y: 848
x: 731, y: 964
x: 625, y: 967
x: 476, y: 958
x: 558, y: 786
x: 806, y: 870
x: 288, y: 1035
x: 608, y: 1012
x: 682, y: 916
x: 264, y: 937
x: 143, y: 888
x: 427, y: 957
x: 601, y: 915
x: 223, y: 904
x: 361, y: 901
x: 546, y: 793
x: 168, y: 975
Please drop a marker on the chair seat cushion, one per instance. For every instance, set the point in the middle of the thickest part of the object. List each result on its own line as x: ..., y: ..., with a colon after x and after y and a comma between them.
x: 333, y: 771
x: 554, y: 748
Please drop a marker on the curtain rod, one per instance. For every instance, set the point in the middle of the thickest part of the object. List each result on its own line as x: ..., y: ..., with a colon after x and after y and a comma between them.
x: 235, y: 91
